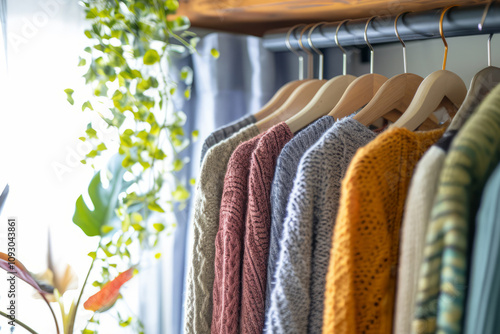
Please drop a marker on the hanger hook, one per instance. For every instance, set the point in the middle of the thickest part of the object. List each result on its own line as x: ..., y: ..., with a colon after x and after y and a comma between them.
x: 400, y: 39
x: 481, y: 25
x: 310, y: 59
x: 289, y: 47
x: 441, y: 32
x: 344, y: 54
x: 321, y: 57
x: 368, y: 43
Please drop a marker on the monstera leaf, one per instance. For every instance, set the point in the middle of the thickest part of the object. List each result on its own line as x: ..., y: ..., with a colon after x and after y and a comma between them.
x: 105, y: 200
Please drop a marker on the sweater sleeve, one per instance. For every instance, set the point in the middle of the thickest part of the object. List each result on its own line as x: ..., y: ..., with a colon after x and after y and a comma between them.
x: 290, y: 293
x: 258, y: 220
x: 207, y: 202
x: 229, y: 241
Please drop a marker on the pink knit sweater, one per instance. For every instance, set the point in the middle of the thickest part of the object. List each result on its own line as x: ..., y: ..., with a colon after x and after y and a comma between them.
x: 257, y: 227
x: 229, y: 241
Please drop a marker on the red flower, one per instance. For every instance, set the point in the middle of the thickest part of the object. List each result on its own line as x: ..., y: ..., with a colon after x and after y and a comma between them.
x: 109, y: 293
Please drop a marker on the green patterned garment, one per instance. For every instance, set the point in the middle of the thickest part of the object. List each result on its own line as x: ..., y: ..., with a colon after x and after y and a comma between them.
x: 473, y: 156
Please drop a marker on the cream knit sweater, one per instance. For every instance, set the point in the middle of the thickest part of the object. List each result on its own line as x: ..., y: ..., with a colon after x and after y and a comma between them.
x: 207, y: 202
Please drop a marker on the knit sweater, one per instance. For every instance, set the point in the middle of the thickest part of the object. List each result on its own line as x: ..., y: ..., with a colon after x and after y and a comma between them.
x: 297, y: 299
x: 229, y: 240
x: 207, y: 201
x: 417, y: 215
x: 473, y: 155
x: 225, y: 132
x: 483, y: 300
x: 362, y: 271
x: 257, y: 225
x: 284, y: 175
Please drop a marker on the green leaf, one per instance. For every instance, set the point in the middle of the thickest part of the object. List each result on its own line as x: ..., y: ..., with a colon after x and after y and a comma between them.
x: 91, y: 133
x: 178, y: 164
x: 101, y: 147
x: 215, y: 53
x: 82, y: 62
x: 151, y: 57
x: 92, y: 255
x: 92, y: 154
x: 104, y: 200
x: 69, y: 93
x: 87, y: 105
x: 155, y: 207
x: 180, y: 194
x: 172, y: 5
x: 106, y: 229
x: 159, y: 227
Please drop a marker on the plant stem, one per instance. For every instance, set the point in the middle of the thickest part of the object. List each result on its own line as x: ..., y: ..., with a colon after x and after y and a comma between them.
x: 51, y: 311
x: 29, y: 329
x: 83, y: 287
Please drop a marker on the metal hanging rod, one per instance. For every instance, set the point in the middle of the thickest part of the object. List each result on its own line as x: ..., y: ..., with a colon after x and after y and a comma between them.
x: 459, y: 21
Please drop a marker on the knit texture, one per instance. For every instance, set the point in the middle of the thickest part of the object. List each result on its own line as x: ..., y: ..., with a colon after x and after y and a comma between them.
x: 257, y: 226
x: 229, y: 240
x: 297, y: 299
x: 225, y: 132
x: 284, y: 175
x: 483, y: 301
x: 361, y: 277
x: 416, y: 218
x: 417, y: 215
x: 207, y: 200
x: 473, y: 155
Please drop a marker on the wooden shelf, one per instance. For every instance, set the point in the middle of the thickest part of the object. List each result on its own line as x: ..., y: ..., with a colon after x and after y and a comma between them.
x: 254, y: 17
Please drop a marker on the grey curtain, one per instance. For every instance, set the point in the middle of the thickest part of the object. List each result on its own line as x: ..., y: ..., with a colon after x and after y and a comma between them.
x: 238, y: 83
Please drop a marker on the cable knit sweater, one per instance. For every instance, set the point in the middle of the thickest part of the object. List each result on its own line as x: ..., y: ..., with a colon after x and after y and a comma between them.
x: 207, y: 202
x: 229, y: 240
x: 363, y: 265
x: 284, y: 175
x: 257, y: 225
x: 443, y: 280
x: 225, y: 132
x: 297, y: 298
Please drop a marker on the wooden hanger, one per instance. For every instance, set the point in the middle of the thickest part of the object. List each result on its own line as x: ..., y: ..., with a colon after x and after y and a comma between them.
x: 395, y: 94
x: 482, y: 83
x: 278, y: 99
x: 328, y: 95
x: 286, y: 91
x: 439, y: 86
x: 298, y: 99
x: 361, y: 90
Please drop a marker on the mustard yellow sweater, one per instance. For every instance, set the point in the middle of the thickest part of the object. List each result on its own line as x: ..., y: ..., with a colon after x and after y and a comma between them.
x: 363, y: 263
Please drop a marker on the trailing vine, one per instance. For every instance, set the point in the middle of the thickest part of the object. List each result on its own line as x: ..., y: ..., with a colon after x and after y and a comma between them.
x: 127, y: 66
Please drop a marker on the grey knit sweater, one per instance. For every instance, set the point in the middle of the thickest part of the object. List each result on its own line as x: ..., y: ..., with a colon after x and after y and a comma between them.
x: 284, y: 175
x: 207, y: 203
x: 225, y: 132
x: 298, y: 294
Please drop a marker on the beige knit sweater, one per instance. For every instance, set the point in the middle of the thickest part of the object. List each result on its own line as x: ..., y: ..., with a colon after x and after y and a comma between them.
x: 208, y: 194
x: 416, y: 218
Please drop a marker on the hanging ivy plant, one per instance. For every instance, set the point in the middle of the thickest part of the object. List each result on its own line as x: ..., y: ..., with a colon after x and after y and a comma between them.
x: 127, y: 68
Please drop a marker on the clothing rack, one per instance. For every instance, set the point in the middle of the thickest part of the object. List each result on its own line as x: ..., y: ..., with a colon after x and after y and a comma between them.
x: 458, y: 21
